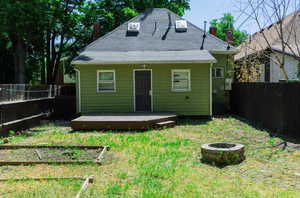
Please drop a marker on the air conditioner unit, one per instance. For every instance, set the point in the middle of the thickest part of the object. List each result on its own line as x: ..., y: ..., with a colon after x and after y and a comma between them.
x: 181, y: 25
x: 133, y: 27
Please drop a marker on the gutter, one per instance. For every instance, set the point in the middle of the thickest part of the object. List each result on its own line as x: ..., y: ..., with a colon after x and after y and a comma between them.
x: 140, y: 62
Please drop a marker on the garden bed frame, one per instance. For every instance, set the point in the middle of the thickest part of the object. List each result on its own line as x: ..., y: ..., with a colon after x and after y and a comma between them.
x: 98, y: 159
x: 87, y: 181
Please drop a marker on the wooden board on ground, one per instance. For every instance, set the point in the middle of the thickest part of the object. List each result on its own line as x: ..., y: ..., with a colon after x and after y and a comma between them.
x: 46, y: 154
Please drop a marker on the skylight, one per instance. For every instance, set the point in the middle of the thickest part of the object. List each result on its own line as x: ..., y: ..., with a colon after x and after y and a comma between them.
x: 181, y: 25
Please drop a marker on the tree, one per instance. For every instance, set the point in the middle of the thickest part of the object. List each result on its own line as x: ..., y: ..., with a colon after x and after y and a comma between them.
x: 277, y: 36
x: 39, y: 33
x: 68, y: 28
x: 227, y: 22
x: 19, y: 22
x: 70, y: 23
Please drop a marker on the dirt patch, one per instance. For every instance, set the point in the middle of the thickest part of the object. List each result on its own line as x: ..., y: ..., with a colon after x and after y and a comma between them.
x: 48, y: 154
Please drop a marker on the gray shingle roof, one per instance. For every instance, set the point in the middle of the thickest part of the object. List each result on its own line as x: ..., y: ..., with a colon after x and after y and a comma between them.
x: 155, y: 36
x: 188, y: 56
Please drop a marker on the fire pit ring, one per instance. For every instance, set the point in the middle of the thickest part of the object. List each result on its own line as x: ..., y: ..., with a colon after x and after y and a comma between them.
x: 222, y: 153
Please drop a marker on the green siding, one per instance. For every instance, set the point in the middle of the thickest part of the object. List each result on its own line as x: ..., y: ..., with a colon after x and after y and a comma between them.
x: 194, y: 102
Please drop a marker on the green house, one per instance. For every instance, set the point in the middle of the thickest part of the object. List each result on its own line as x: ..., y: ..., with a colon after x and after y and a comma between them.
x: 155, y: 62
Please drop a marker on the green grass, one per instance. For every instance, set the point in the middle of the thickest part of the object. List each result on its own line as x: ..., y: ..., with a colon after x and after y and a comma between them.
x: 162, y: 164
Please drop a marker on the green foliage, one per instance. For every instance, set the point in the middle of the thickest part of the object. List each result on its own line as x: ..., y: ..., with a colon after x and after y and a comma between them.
x: 227, y: 22
x: 50, y: 30
x: 11, y: 133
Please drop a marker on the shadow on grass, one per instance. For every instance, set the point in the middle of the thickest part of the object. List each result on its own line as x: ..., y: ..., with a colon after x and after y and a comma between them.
x: 272, y: 133
x: 218, y: 165
x: 116, y: 131
x: 191, y: 121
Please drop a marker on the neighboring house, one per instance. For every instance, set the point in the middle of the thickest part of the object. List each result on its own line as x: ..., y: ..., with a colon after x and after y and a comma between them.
x: 257, y: 47
x: 154, y: 63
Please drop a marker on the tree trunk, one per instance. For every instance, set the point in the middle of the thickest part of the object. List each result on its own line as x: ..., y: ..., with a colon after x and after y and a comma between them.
x: 43, y: 72
x: 19, y: 55
x: 284, y: 72
x: 281, y: 66
x: 48, y: 59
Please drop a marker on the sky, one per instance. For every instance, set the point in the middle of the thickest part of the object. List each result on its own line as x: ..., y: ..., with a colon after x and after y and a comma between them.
x: 206, y: 10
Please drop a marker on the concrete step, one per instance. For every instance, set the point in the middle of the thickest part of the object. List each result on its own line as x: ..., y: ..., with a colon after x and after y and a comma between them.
x: 169, y: 123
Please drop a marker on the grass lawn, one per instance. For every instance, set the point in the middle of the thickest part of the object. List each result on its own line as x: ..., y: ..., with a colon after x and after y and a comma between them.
x: 162, y: 164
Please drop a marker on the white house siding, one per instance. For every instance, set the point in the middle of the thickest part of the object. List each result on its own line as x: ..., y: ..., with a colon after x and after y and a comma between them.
x: 262, y: 73
x: 291, y: 67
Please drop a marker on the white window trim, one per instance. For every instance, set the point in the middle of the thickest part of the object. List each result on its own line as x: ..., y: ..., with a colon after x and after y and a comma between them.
x: 98, y: 81
x: 214, y: 69
x: 189, y: 80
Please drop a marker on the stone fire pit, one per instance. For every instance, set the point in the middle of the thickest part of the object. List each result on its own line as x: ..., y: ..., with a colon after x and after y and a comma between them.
x: 222, y: 153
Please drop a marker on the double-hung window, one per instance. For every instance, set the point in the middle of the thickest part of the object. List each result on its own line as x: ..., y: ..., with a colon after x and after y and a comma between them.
x: 181, y: 80
x: 106, y: 81
x: 218, y: 72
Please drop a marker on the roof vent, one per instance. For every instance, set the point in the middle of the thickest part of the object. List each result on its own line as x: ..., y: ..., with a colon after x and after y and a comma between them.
x: 181, y: 25
x: 133, y: 27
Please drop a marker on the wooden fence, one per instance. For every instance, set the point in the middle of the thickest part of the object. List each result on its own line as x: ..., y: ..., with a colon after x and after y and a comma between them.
x: 65, y: 103
x: 23, y: 106
x: 21, y: 115
x: 275, y: 106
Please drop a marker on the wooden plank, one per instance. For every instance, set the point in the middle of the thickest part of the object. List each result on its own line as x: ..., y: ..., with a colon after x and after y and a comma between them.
x: 121, y: 121
x: 42, y: 178
x: 101, y: 155
x: 26, y: 101
x: 25, y: 119
x: 124, y: 117
x: 38, y: 154
x: 16, y: 163
x: 49, y: 147
x: 85, y: 185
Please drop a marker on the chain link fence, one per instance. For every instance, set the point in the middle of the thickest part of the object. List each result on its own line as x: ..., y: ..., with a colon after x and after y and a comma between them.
x: 24, y: 92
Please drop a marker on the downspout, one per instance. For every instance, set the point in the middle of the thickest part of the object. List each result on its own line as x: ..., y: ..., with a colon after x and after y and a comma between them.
x: 210, y: 95
x: 79, y: 90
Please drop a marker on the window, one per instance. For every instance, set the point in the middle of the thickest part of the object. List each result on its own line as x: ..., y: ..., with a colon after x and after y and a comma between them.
x: 106, y: 81
x: 218, y: 72
x: 181, y: 80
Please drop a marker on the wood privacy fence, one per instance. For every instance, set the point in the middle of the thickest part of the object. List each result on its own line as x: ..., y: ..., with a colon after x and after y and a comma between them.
x: 65, y: 103
x: 276, y: 106
x: 23, y: 114
x: 23, y: 106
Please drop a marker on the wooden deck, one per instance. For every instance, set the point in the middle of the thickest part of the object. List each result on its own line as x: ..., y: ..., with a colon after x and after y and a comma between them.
x: 123, y: 121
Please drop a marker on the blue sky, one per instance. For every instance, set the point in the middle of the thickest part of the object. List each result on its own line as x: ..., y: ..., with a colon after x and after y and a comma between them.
x: 206, y: 10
